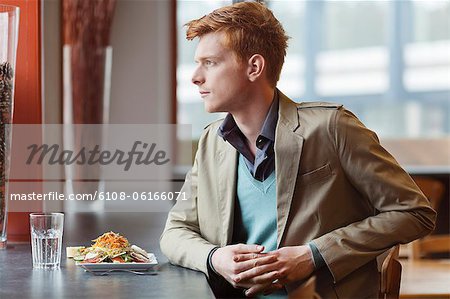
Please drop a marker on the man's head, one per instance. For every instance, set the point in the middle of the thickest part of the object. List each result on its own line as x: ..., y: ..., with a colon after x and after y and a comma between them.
x: 248, y: 28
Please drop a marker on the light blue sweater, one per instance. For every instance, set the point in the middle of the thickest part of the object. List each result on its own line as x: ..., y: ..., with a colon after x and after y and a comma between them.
x: 256, y: 213
x: 256, y: 209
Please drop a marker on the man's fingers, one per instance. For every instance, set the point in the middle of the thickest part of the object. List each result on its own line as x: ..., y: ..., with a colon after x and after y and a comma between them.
x: 266, y: 277
x: 256, y: 271
x: 255, y: 262
x: 262, y: 288
x: 245, y: 248
x: 249, y: 256
x: 256, y: 289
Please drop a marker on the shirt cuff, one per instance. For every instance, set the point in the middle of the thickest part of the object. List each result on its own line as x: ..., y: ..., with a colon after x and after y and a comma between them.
x: 318, y: 260
x: 209, y: 263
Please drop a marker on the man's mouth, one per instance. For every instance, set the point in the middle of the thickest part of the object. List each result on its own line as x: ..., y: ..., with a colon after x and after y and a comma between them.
x: 204, y: 93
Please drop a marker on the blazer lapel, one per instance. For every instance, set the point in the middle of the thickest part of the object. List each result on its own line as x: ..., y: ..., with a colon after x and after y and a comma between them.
x: 288, y: 149
x: 227, y: 162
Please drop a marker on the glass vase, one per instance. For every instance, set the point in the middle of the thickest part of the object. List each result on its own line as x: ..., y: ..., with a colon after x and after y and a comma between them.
x: 9, y: 29
x: 87, y: 80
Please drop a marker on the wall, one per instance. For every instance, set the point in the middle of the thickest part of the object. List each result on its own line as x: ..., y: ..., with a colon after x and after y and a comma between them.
x: 141, y: 73
x: 141, y: 82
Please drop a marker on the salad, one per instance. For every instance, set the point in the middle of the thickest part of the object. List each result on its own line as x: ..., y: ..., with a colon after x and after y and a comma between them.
x: 110, y: 248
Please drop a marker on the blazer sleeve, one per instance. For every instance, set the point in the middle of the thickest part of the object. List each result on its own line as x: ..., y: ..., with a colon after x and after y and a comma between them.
x: 181, y: 241
x: 402, y: 212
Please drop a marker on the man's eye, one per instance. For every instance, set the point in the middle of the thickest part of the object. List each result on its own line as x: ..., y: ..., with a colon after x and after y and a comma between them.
x: 209, y: 62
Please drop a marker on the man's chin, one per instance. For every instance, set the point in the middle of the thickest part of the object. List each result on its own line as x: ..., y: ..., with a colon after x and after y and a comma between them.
x: 211, y: 109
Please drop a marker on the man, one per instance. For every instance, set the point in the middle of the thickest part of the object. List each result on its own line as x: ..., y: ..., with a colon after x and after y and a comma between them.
x: 282, y: 191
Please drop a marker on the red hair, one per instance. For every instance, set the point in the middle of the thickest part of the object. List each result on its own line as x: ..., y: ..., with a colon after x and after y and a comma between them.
x: 250, y: 28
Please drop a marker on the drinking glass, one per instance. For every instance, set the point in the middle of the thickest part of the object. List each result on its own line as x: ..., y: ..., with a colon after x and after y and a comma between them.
x: 46, y: 239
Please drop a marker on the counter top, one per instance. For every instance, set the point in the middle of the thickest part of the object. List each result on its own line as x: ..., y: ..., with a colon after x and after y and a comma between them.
x: 19, y: 280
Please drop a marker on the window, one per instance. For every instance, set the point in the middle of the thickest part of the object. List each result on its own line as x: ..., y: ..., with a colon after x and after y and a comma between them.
x: 190, y: 105
x: 292, y: 79
x: 387, y: 61
x: 353, y: 53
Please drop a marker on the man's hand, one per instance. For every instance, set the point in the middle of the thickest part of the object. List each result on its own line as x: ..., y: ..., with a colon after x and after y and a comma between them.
x: 232, y: 260
x: 292, y: 264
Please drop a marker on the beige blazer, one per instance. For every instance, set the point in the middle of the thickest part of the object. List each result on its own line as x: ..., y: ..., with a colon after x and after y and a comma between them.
x: 336, y: 186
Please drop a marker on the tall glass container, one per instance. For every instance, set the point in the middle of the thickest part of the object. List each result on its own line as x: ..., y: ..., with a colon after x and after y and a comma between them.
x: 87, y: 61
x: 9, y: 31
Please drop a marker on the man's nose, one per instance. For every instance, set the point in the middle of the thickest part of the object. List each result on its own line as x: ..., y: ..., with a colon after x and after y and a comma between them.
x: 197, y: 77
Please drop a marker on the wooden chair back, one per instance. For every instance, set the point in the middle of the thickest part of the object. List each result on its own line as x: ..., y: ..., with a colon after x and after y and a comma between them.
x: 429, y: 245
x: 390, y: 275
x: 434, y: 191
x: 432, y: 188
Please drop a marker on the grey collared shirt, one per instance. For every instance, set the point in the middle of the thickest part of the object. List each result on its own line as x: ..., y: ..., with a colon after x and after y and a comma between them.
x: 263, y: 164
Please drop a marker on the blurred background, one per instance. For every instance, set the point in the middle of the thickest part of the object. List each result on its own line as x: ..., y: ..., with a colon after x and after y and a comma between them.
x: 128, y: 62
x: 387, y: 61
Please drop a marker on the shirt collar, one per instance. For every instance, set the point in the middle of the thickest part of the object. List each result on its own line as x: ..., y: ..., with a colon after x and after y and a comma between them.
x: 227, y: 127
x: 268, y: 129
x: 270, y: 123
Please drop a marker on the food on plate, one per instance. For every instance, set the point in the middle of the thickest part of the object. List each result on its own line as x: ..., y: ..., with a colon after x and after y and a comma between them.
x: 139, y: 254
x: 110, y: 248
x: 73, y: 251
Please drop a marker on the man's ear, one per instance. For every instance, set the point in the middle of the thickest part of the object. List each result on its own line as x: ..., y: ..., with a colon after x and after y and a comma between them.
x: 256, y: 67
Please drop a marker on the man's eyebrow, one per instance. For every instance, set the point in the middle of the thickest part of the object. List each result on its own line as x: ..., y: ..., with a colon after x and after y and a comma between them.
x: 206, y: 58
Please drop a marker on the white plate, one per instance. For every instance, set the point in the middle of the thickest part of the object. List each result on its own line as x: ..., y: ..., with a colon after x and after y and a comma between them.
x: 120, y: 266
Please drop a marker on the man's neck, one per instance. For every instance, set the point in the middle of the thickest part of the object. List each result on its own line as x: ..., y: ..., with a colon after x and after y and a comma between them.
x: 251, y: 119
